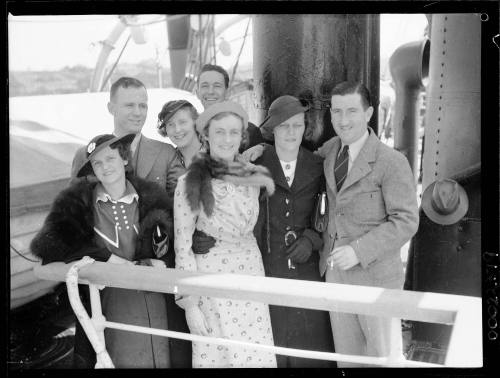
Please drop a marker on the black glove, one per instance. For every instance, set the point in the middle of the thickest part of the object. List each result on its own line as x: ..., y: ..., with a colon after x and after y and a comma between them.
x: 202, y: 242
x: 300, y: 251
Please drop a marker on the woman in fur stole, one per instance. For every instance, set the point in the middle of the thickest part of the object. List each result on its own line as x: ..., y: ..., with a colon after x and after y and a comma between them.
x: 220, y: 196
x: 117, y: 219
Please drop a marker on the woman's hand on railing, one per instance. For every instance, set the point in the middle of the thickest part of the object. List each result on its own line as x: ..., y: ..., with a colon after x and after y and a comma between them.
x: 196, y: 321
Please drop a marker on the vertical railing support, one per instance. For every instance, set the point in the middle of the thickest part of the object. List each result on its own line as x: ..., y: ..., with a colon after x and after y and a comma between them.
x: 395, y: 357
x: 103, y: 359
x: 98, y: 318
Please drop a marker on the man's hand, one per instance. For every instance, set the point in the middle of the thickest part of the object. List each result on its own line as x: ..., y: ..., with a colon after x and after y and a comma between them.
x: 300, y: 251
x: 114, y: 259
x: 196, y: 321
x: 253, y: 153
x: 343, y: 258
x: 202, y: 242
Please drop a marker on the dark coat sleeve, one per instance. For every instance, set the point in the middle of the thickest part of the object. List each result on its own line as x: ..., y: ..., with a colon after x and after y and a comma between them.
x: 254, y: 137
x: 67, y: 233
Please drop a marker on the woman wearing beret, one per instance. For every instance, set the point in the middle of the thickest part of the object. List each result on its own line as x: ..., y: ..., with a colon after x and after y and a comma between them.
x: 177, y: 121
x: 288, y: 242
x: 118, y: 219
x: 219, y: 195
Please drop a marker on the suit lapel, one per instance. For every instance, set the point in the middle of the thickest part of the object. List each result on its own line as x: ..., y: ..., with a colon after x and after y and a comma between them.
x: 303, y: 173
x: 361, y: 167
x: 147, y: 154
x: 274, y: 167
x: 330, y: 164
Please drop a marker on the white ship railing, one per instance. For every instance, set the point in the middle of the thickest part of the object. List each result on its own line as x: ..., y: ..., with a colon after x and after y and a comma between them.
x: 462, y: 312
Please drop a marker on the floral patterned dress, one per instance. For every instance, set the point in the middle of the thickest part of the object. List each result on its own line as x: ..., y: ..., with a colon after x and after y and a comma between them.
x: 231, y: 224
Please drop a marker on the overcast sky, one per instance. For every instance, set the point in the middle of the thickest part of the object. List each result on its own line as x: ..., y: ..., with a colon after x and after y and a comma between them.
x: 53, y: 42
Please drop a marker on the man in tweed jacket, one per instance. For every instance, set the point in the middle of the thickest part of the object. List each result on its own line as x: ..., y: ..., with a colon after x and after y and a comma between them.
x: 372, y: 215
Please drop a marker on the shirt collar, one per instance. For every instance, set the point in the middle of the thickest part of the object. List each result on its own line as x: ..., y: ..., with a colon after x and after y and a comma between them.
x: 128, y: 197
x: 356, y: 146
x: 291, y: 164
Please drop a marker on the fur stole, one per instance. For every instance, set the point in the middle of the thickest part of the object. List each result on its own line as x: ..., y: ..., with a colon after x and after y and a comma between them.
x: 67, y: 233
x: 204, y: 168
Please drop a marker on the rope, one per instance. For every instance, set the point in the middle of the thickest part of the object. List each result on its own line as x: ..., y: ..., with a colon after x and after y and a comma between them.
x: 20, y: 254
x: 115, y: 64
x: 239, y: 54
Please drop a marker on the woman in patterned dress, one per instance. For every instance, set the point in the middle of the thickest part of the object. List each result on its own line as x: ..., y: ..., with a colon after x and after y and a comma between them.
x: 219, y: 195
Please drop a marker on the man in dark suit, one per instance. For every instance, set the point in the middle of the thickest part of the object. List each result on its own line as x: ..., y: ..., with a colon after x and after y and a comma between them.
x: 213, y: 84
x: 152, y: 160
x: 373, y: 213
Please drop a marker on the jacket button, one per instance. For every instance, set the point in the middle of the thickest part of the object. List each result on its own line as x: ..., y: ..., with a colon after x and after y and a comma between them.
x: 331, y: 236
x: 287, y: 214
x: 287, y: 201
x: 287, y: 228
x: 157, y: 178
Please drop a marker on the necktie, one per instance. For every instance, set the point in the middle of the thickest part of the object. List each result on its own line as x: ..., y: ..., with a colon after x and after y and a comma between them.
x: 341, y: 165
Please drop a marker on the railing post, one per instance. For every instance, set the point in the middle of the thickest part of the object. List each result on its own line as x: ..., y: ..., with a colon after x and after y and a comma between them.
x: 395, y: 357
x: 98, y: 318
x: 103, y: 359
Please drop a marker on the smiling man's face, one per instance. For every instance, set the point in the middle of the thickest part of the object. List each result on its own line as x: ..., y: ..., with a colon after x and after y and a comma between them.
x: 129, y: 108
x: 211, y: 88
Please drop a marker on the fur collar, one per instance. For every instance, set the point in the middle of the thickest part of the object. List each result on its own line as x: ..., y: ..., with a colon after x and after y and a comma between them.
x: 204, y: 168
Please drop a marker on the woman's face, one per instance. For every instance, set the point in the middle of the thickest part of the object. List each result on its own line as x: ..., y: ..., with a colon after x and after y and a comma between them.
x: 288, y: 134
x: 181, y: 129
x: 108, y: 166
x: 224, y: 137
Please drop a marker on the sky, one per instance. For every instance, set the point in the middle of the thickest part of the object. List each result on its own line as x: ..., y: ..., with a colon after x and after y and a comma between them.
x: 52, y: 42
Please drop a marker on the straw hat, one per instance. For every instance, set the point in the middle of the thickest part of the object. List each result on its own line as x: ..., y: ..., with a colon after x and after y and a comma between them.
x: 445, y: 202
x: 221, y: 107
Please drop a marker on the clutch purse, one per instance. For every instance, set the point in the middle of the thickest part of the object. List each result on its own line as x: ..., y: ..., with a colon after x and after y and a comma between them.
x: 319, y: 218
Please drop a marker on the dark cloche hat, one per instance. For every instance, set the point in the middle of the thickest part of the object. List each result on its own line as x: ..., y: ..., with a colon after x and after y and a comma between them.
x: 97, y: 144
x: 280, y: 110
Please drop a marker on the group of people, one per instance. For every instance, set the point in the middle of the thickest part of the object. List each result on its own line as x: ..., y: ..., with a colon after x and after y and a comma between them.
x: 232, y: 197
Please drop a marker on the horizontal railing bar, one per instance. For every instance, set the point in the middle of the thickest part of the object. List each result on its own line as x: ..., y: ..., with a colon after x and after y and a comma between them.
x: 382, y: 361
x: 418, y: 306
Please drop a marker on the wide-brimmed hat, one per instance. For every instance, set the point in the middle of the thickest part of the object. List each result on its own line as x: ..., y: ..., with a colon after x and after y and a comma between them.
x: 221, y: 107
x: 445, y: 202
x: 97, y: 144
x: 168, y: 110
x: 280, y: 110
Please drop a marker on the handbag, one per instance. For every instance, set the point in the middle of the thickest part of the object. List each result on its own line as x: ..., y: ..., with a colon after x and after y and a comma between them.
x: 319, y: 218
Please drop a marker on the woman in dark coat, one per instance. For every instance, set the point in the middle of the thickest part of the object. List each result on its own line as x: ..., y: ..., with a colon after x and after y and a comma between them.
x: 116, y: 219
x: 288, y: 243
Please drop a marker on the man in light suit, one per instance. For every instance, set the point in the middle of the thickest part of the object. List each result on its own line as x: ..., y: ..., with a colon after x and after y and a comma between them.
x: 152, y: 160
x: 373, y: 213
